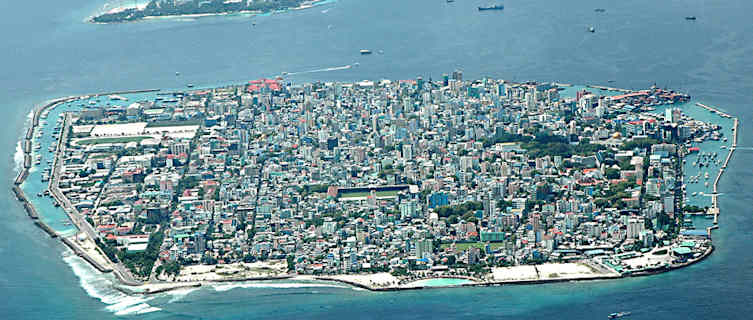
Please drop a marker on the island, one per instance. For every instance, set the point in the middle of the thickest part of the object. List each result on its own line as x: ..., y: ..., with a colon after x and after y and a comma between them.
x: 167, y: 8
x: 383, y: 185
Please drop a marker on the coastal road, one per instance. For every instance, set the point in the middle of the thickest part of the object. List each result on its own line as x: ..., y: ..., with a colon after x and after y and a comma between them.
x: 71, y: 210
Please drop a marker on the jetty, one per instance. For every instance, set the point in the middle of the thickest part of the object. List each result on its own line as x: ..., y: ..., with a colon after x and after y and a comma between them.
x: 608, y: 88
x: 714, y: 110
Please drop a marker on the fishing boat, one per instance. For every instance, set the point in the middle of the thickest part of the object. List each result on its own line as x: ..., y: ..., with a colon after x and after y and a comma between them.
x: 591, y: 29
x: 690, y: 18
x: 365, y: 51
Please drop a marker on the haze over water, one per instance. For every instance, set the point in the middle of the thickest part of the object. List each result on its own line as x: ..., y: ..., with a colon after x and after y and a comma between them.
x: 48, y: 52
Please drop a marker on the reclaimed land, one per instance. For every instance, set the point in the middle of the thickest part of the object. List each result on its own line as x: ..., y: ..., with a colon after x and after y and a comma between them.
x: 167, y: 285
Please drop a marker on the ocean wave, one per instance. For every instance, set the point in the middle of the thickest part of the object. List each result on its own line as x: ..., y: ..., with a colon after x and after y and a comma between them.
x: 102, y: 287
x: 294, y: 285
x: 178, y: 294
x: 137, y: 309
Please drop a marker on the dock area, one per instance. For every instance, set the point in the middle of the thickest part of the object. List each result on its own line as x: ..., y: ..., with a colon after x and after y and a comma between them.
x: 714, y: 210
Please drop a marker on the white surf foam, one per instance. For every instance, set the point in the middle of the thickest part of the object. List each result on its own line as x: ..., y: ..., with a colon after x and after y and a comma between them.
x: 179, y: 294
x: 246, y: 285
x: 102, y: 287
x: 137, y: 309
x: 18, y: 157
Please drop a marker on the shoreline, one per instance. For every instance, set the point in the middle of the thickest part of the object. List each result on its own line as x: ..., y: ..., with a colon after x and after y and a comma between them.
x: 162, y: 287
x: 251, y: 13
x: 165, y: 286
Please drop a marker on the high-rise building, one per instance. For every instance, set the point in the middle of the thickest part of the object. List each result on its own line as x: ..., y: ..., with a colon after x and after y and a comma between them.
x: 424, y: 248
x: 457, y: 75
x: 407, y: 152
x: 634, y: 228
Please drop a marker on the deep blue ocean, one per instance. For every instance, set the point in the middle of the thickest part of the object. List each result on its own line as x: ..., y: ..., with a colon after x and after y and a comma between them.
x: 48, y: 51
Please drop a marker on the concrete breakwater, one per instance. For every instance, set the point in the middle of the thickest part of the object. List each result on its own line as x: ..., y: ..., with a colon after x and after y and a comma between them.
x: 79, y: 252
x: 714, y: 110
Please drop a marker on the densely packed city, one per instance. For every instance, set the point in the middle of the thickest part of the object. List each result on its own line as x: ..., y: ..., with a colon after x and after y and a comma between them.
x: 403, y: 177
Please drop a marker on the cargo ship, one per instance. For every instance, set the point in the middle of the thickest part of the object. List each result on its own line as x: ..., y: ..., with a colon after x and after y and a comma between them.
x: 495, y: 7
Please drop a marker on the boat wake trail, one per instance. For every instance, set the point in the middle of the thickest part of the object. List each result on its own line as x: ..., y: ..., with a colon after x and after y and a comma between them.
x: 101, y: 286
x: 322, y: 70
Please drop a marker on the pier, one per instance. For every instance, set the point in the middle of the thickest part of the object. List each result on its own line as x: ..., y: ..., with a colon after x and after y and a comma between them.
x: 608, y: 88
x: 714, y: 110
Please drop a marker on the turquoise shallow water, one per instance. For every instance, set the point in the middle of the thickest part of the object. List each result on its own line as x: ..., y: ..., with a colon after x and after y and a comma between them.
x: 50, y: 53
x: 440, y: 282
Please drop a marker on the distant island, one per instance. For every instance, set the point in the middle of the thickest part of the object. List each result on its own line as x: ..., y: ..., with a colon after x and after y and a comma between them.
x: 167, y: 8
